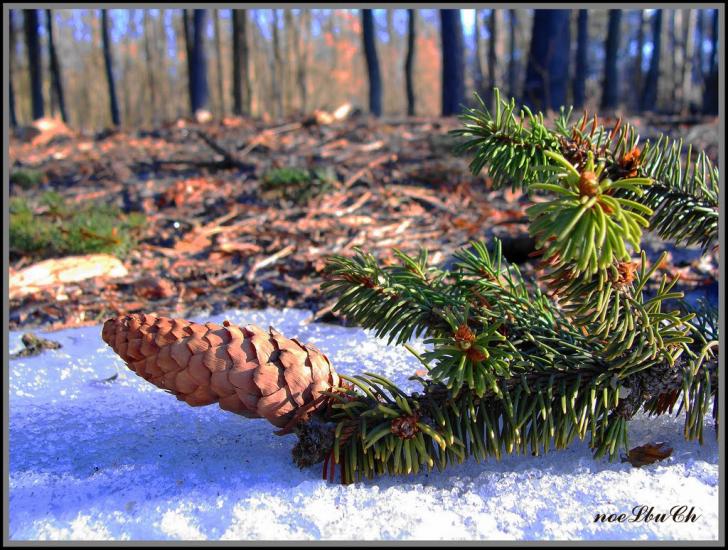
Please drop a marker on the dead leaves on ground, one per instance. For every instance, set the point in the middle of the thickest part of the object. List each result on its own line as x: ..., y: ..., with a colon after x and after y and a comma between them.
x: 212, y: 240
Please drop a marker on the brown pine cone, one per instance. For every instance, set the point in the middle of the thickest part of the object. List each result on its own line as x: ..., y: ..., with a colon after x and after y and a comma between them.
x: 247, y: 370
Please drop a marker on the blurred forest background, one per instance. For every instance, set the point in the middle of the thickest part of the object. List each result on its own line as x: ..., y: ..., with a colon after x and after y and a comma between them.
x: 142, y: 67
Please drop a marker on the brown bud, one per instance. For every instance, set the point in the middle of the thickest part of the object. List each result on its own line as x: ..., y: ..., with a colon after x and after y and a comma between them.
x: 625, y: 274
x: 464, y: 337
x: 588, y: 184
x: 405, y: 427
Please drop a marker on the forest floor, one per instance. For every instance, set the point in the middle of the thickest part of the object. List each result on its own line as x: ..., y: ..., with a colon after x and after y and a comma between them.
x: 241, y: 214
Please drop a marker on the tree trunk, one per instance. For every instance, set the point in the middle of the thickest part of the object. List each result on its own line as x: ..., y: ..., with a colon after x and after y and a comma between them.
x: 674, y: 60
x: 698, y: 75
x: 453, y: 65
x: 276, y: 72
x: 237, y: 75
x: 189, y: 38
x: 56, y: 80
x: 512, y: 84
x: 163, y: 72
x: 126, y: 71
x: 34, y: 62
x: 147, y: 27
x: 638, y: 75
x: 391, y: 52
x: 241, y: 76
x: 245, y: 59
x: 218, y: 54
x: 114, y: 106
x: 686, y: 77
x: 582, y: 49
x: 649, y: 93
x: 409, y: 60
x: 11, y: 106
x: 477, y: 65
x: 11, y: 63
x: 198, y: 86
x: 370, y: 52
x: 492, y: 61
x: 291, y: 33
x: 610, y: 85
x: 547, y: 73
x: 710, y: 95
x: 303, y: 38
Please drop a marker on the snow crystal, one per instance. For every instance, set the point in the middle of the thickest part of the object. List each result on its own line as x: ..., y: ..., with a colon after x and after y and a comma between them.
x: 92, y: 459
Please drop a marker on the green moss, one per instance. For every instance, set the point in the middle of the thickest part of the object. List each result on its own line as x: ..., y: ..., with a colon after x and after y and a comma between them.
x: 297, y: 184
x: 61, y: 229
x: 27, y: 178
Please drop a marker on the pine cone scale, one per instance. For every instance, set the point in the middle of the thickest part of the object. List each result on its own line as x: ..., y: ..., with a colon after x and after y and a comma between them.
x: 245, y: 370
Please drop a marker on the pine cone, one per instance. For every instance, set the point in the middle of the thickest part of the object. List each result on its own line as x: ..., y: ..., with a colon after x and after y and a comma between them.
x: 247, y: 370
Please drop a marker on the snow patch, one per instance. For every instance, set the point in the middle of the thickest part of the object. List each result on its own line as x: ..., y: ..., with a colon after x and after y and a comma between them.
x: 123, y: 460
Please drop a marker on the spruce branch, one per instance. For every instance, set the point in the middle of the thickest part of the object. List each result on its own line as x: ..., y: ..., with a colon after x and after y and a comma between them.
x: 396, y: 301
x: 685, y: 197
x: 512, y: 147
x: 516, y: 146
x: 512, y: 368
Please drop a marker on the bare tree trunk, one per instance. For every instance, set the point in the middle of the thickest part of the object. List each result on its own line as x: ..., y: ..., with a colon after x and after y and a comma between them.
x: 477, y: 65
x: 688, y: 56
x: 710, y: 94
x: 409, y: 61
x: 56, y: 79
x: 582, y: 48
x: 453, y: 63
x: 649, y: 92
x: 291, y: 33
x: 163, y: 76
x: 11, y: 62
x: 277, y: 69
x: 638, y: 74
x: 200, y: 97
x: 610, y: 84
x: 303, y: 38
x: 370, y: 52
x: 181, y: 101
x: 147, y: 27
x: 391, y: 98
x: 245, y: 60
x: 34, y: 62
x: 218, y: 53
x: 131, y: 114
x: 547, y: 73
x: 241, y: 69
x: 674, y: 60
x: 698, y: 75
x: 237, y: 75
x: 512, y: 80
x: 492, y: 62
x: 114, y: 106
x: 188, y: 45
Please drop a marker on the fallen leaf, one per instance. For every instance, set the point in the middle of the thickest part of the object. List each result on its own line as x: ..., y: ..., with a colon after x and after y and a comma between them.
x: 648, y: 454
x: 55, y: 272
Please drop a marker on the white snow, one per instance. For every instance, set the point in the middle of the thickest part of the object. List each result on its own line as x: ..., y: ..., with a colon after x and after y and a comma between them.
x: 123, y: 460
